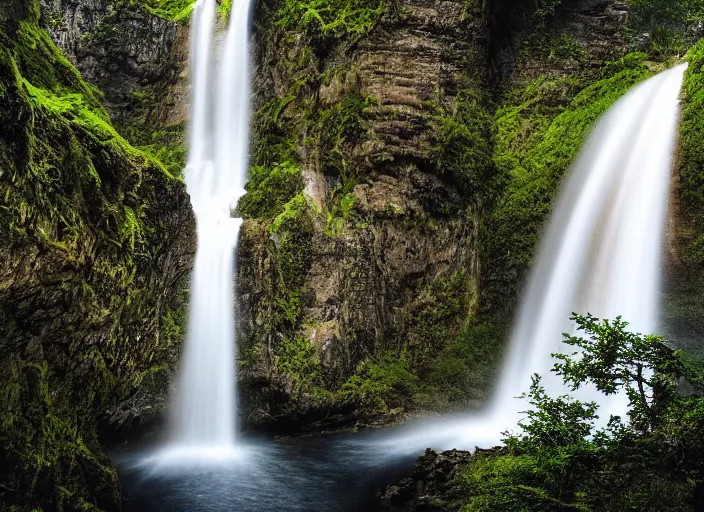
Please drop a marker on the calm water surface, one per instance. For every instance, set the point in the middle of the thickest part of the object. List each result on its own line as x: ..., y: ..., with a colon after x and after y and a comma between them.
x: 337, y: 473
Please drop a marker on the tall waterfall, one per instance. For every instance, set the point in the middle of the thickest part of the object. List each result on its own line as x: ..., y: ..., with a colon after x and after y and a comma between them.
x: 601, y: 254
x: 204, y: 403
x: 602, y: 250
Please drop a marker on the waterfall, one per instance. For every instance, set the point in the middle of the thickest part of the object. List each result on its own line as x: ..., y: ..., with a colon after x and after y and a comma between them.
x: 204, y: 402
x: 601, y: 254
x: 602, y: 251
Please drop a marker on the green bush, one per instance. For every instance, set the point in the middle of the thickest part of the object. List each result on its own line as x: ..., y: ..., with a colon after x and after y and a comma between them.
x: 380, y: 385
x: 558, y: 462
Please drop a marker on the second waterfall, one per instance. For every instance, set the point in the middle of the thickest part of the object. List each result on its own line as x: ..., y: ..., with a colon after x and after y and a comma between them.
x: 205, y: 402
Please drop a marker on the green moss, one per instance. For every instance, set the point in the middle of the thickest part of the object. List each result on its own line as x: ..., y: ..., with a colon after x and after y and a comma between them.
x: 171, y: 10
x: 546, y: 8
x: 334, y: 130
x: 441, y: 310
x: 292, y: 211
x: 298, y: 359
x: 565, y: 50
x: 224, y: 8
x: 462, y: 150
x: 511, y: 483
x: 293, y: 231
x: 149, y: 133
x: 45, y: 67
x: 53, y: 467
x: 466, y: 368
x: 338, y: 217
x: 270, y: 191
x: 670, y: 26
x: 335, y: 18
x: 692, y: 153
x: 276, y: 142
x: 377, y: 386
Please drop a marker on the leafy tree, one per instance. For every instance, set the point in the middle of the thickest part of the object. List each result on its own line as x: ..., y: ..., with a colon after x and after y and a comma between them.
x: 615, y: 359
x: 654, y: 462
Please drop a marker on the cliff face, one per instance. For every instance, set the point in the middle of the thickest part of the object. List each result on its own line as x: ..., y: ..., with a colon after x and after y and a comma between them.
x: 97, y: 239
x: 367, y: 262
x: 137, y: 60
x: 405, y: 158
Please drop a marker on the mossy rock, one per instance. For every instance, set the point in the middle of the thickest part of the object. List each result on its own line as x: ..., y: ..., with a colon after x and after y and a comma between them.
x: 98, y: 237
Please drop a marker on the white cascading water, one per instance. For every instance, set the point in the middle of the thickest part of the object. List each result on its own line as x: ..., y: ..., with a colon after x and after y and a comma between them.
x: 204, y: 404
x: 601, y: 254
x: 602, y: 250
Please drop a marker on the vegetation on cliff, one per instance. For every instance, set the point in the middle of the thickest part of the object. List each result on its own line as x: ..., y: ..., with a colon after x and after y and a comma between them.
x: 539, y: 131
x: 88, y: 224
x: 556, y: 460
x: 318, y: 158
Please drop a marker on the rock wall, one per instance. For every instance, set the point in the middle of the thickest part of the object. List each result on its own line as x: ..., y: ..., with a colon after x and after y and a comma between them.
x: 401, y: 179
x: 97, y: 240
x: 382, y: 134
x: 138, y: 62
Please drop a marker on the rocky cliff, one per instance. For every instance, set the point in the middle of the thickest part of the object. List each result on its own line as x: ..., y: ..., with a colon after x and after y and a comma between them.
x: 97, y: 240
x: 136, y: 55
x: 406, y: 155
x: 359, y: 260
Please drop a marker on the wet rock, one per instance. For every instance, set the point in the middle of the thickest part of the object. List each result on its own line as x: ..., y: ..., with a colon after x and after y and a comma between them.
x: 432, y: 488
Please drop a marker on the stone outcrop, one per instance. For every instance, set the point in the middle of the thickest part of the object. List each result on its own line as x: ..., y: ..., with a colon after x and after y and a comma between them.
x: 431, y: 488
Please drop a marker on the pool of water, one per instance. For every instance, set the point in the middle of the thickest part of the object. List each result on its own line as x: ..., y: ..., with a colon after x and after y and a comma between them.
x: 337, y: 473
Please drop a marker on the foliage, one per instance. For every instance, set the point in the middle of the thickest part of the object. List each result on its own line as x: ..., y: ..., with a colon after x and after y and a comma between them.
x: 377, y: 384
x: 516, y: 482
x: 293, y: 231
x: 565, y: 49
x: 462, y: 152
x: 298, y: 359
x: 466, y: 366
x: 546, y: 8
x: 692, y: 157
x: 337, y: 127
x: 171, y: 10
x: 320, y: 18
x: 654, y: 462
x: 145, y: 129
x: 670, y: 27
x: 614, y: 359
x: 554, y: 422
x: 268, y: 192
